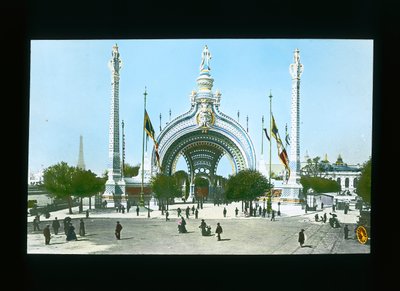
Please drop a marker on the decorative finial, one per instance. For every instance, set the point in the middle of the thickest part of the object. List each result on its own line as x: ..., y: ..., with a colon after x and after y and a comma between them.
x: 297, y: 56
x: 205, y: 59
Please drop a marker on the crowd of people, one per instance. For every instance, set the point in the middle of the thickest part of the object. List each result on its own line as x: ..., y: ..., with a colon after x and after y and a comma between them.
x: 206, y: 230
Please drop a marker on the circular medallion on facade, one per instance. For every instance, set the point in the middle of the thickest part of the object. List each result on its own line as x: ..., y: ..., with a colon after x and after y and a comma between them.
x: 362, y: 234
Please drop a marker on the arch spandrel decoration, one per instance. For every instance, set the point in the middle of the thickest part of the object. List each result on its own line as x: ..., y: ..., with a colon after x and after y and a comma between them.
x: 204, y: 134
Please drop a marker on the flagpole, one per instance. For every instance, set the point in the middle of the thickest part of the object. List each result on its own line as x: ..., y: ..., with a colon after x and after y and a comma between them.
x: 270, y: 133
x: 262, y: 135
x: 144, y: 116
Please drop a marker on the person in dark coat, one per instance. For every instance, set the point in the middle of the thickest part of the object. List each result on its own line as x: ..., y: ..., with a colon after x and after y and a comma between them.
x: 166, y: 215
x: 66, y: 223
x: 56, y: 225
x: 82, y: 228
x: 346, y: 232
x: 46, y: 233
x: 273, y: 215
x: 179, y: 210
x: 137, y: 210
x: 236, y: 211
x: 187, y: 212
x: 205, y: 230
x: 182, y: 225
x: 87, y: 213
x: 301, y: 238
x: 71, y: 235
x: 196, y: 213
x: 325, y: 217
x: 218, y: 231
x: 36, y: 224
x: 224, y: 212
x: 118, y: 229
x: 193, y: 209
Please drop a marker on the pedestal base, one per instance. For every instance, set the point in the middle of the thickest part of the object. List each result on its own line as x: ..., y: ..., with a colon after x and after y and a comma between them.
x: 291, y: 193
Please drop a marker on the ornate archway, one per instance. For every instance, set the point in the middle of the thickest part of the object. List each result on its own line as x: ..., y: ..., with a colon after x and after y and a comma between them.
x: 204, y: 134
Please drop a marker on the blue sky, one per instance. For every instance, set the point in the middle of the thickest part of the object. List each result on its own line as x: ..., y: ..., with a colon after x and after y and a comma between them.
x: 70, y: 92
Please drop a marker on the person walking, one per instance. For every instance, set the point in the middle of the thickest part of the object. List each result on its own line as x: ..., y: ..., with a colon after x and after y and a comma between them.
x: 56, y: 225
x: 118, y: 229
x: 36, y: 224
x: 264, y: 211
x: 236, y: 211
x: 301, y: 238
x: 325, y: 217
x: 224, y: 212
x: 187, y: 212
x: 193, y: 209
x: 218, y: 231
x: 82, y: 228
x: 87, y: 213
x: 346, y: 232
x: 137, y: 210
x: 196, y: 213
x: 166, y: 215
x: 179, y: 210
x: 259, y: 210
x: 46, y: 233
x: 182, y: 226
x: 273, y: 215
x: 71, y: 235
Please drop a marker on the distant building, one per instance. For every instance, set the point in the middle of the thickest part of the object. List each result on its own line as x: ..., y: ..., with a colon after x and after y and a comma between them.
x: 346, y: 175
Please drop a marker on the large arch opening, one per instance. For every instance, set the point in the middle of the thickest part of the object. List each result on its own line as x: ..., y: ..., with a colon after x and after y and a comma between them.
x: 225, y: 167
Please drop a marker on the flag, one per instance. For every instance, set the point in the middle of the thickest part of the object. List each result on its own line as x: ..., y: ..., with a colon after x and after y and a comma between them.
x: 287, y: 139
x: 283, y: 156
x: 148, y: 128
x: 274, y: 131
x: 266, y: 134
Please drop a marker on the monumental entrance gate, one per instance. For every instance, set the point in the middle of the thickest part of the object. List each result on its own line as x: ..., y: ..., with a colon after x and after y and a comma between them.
x: 203, y: 135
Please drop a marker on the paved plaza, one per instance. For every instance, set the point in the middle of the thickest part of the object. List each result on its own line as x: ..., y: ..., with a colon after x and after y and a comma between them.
x: 241, y: 235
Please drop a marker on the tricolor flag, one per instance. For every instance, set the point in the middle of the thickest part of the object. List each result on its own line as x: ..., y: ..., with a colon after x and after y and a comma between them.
x: 274, y: 131
x: 148, y: 128
x: 283, y: 156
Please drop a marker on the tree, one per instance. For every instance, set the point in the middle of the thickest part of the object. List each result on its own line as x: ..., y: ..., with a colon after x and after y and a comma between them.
x: 165, y: 187
x: 85, y: 184
x: 319, y: 185
x: 314, y: 168
x: 131, y: 171
x: 180, y: 178
x: 57, y: 180
x: 246, y: 185
x: 364, y: 184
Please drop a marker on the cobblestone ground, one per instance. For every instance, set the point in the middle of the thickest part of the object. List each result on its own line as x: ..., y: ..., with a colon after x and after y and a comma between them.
x: 154, y: 235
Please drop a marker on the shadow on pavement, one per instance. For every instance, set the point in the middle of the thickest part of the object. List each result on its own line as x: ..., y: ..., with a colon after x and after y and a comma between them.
x: 126, y: 238
x: 307, y: 246
x: 225, y: 239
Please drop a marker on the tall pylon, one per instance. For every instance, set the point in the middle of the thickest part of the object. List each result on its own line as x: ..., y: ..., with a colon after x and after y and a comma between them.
x: 81, y: 161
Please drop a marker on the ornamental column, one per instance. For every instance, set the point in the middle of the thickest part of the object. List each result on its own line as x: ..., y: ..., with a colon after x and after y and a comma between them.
x: 115, y: 185
x: 292, y: 190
